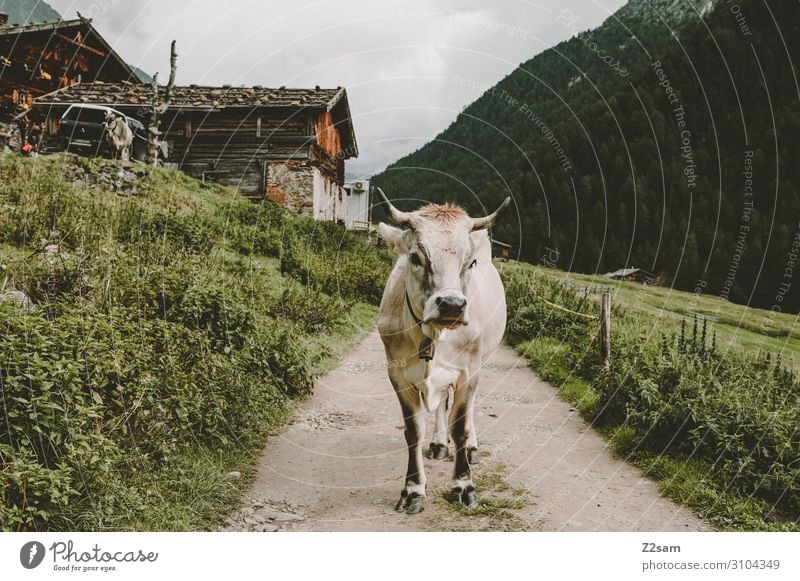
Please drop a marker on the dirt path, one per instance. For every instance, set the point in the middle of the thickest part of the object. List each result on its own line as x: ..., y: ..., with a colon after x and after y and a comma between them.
x: 340, y: 465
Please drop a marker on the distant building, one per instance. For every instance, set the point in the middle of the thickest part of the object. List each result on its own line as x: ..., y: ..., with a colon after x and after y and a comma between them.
x: 635, y: 275
x: 359, y: 214
x: 36, y: 59
x: 286, y: 145
x: 501, y: 249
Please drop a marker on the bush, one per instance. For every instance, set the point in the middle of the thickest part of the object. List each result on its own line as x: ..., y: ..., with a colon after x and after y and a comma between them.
x: 158, y: 338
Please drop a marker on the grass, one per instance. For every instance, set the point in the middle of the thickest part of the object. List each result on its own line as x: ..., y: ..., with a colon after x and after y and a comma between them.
x: 738, y: 327
x: 175, y: 329
x: 498, y: 502
x: 747, y: 402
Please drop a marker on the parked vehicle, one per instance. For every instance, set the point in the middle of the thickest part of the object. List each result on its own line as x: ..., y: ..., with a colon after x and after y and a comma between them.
x: 82, y: 129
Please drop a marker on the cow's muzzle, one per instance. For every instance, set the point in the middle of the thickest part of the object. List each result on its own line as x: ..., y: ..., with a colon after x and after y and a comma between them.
x: 447, y: 310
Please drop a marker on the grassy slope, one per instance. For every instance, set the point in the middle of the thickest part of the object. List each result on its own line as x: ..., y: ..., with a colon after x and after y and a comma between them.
x: 738, y: 327
x: 684, y: 476
x: 222, y: 279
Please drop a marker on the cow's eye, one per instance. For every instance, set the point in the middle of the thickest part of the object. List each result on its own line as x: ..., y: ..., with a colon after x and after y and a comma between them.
x: 473, y: 263
x: 415, y: 260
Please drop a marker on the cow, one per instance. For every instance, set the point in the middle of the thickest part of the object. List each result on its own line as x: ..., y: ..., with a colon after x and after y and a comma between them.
x: 119, y: 136
x: 443, y: 312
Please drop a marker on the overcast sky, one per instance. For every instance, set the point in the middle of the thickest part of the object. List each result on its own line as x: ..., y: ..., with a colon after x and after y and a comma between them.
x: 409, y: 66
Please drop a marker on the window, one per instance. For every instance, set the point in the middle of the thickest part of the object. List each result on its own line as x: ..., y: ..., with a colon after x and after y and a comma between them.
x: 86, y: 115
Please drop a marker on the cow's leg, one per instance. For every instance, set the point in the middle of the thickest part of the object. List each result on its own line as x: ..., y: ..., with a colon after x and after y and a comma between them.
x: 463, y: 490
x: 472, y: 440
x: 438, y: 448
x: 412, y: 498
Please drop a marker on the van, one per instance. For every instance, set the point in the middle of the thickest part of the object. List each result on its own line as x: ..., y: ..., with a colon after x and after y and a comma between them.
x: 82, y: 130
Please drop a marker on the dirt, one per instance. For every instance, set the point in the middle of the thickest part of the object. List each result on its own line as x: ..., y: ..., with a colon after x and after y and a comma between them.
x: 340, y: 466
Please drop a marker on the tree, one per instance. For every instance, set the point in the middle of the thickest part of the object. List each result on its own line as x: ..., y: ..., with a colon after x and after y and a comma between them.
x: 157, y: 109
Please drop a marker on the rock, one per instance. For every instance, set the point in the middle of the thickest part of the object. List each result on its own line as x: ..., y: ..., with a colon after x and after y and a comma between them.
x: 288, y: 517
x: 235, y: 475
x: 250, y: 521
x: 22, y: 300
x: 267, y: 528
x: 266, y: 513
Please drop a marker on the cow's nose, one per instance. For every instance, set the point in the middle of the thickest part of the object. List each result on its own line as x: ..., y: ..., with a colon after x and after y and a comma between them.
x: 451, y: 306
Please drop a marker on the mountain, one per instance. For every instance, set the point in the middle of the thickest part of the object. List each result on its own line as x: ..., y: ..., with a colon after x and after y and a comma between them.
x: 509, y: 118
x: 143, y: 76
x: 25, y: 11
x: 686, y: 168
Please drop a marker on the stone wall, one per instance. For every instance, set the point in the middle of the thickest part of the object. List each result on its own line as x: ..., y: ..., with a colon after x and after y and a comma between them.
x: 291, y: 184
x: 299, y: 186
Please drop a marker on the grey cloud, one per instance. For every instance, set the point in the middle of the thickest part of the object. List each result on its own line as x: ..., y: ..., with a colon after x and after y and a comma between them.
x: 409, y: 66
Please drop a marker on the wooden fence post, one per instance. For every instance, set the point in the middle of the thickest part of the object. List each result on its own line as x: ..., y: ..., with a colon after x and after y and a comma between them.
x: 605, y: 330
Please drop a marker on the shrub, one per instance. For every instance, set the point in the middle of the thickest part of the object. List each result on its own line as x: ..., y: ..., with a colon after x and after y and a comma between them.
x: 157, y: 338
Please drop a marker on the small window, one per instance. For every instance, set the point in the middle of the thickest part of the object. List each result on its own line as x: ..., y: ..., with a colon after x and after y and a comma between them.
x: 258, y: 126
x: 187, y: 127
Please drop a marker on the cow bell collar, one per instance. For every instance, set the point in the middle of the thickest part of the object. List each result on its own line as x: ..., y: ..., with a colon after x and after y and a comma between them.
x: 427, y: 347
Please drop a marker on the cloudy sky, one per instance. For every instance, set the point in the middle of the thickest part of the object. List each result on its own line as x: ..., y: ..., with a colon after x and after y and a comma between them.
x: 410, y: 66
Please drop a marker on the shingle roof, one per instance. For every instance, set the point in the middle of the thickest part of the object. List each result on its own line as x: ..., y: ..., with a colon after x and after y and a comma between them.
x: 622, y: 272
x: 194, y: 96
x: 41, y: 26
x: 205, y: 98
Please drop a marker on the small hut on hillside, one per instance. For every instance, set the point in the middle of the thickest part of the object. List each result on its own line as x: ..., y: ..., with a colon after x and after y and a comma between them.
x: 287, y: 145
x: 635, y: 275
x: 501, y: 250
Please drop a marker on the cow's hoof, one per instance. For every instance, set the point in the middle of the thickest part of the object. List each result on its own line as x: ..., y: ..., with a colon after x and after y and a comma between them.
x: 437, y: 451
x: 466, y: 496
x: 472, y: 456
x: 410, y: 503
x: 469, y: 498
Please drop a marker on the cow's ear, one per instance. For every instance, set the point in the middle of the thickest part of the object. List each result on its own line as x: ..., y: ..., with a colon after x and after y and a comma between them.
x: 394, y: 238
x: 480, y: 240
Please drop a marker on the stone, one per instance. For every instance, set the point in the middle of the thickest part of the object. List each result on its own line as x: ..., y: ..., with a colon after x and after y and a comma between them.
x: 288, y: 517
x: 22, y: 300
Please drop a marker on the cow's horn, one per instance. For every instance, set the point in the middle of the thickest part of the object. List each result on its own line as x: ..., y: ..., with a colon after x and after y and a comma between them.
x: 395, y: 215
x: 488, y: 221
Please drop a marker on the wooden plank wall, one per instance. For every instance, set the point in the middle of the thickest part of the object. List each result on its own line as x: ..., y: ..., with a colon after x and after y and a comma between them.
x: 236, y: 149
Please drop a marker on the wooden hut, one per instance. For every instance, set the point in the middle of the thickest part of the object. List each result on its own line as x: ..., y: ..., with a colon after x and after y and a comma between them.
x: 36, y: 59
x: 501, y: 250
x: 287, y: 145
x: 635, y: 275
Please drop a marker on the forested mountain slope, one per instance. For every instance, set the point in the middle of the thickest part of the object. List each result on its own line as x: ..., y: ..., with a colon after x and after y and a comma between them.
x: 684, y: 167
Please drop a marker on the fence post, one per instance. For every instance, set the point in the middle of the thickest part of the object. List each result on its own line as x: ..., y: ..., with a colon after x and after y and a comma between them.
x: 605, y: 330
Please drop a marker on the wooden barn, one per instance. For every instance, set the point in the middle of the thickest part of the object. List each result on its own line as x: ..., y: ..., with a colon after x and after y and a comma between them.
x: 287, y: 145
x: 635, y: 275
x: 501, y: 250
x: 36, y: 59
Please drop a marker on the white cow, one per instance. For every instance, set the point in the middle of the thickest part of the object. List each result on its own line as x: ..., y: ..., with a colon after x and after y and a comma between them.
x: 443, y: 312
x: 119, y: 136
